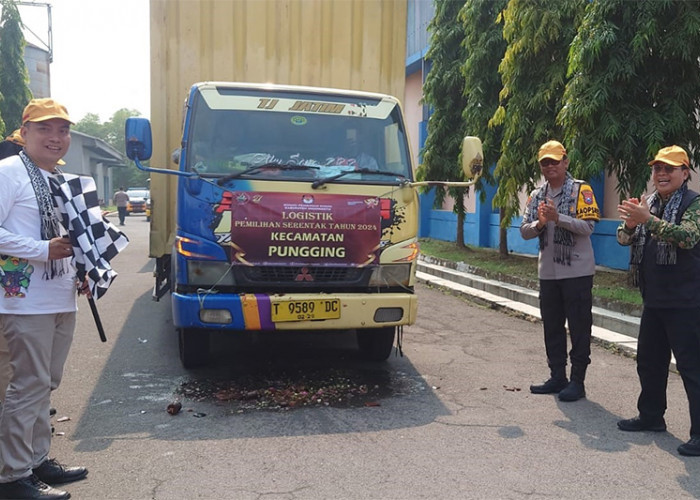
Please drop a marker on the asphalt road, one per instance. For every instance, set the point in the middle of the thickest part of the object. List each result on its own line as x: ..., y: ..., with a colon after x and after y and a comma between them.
x: 451, y: 419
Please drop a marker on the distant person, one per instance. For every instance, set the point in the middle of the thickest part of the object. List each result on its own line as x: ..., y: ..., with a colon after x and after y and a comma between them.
x: 355, y: 143
x: 38, y: 306
x: 663, y: 230
x: 121, y: 200
x: 562, y: 214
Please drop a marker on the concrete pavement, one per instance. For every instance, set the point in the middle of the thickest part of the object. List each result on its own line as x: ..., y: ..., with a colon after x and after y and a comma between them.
x: 609, y: 327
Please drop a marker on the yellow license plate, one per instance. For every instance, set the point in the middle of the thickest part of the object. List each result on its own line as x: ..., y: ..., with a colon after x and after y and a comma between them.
x: 302, y: 310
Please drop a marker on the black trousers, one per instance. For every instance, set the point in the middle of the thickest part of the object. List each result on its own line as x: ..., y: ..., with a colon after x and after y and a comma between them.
x: 122, y: 214
x: 561, y: 300
x: 661, y: 332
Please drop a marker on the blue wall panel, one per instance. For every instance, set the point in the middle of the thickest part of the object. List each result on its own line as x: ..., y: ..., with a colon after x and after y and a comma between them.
x: 442, y: 225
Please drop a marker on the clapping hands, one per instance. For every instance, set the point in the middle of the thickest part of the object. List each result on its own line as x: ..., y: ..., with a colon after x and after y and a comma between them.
x: 634, y: 212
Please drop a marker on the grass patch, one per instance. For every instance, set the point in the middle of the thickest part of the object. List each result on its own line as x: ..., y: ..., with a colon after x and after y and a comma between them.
x: 608, y: 285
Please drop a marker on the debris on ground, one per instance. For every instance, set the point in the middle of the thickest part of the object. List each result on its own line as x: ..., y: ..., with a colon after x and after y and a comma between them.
x: 284, y: 391
x: 174, y: 408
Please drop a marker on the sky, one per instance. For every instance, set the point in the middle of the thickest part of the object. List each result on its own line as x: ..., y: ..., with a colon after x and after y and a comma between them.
x: 101, y: 54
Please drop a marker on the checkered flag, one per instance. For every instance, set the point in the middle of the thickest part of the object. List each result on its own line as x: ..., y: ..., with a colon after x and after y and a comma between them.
x: 95, y: 240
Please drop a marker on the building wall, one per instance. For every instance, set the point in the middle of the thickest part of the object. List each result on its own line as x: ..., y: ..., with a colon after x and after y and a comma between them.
x: 419, y: 14
x: 413, y: 112
x: 37, y: 61
x: 93, y: 157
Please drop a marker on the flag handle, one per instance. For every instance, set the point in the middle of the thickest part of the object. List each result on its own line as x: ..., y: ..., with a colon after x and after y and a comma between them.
x: 98, y: 321
x: 93, y: 308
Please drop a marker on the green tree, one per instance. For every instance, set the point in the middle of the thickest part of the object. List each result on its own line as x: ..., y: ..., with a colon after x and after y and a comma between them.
x: 444, y: 92
x: 534, y: 75
x: 114, y: 135
x: 90, y: 125
x: 634, y: 87
x: 112, y: 132
x: 114, y: 128
x: 14, y: 78
x: 483, y: 38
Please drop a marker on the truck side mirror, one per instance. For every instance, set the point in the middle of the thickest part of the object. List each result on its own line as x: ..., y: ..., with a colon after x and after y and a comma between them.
x: 472, y: 158
x: 138, y: 139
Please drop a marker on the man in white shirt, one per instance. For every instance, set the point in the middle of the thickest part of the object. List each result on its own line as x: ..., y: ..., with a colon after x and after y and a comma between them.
x: 38, y: 306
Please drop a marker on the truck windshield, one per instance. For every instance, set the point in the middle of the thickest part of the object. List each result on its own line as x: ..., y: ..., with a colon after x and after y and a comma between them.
x: 257, y: 134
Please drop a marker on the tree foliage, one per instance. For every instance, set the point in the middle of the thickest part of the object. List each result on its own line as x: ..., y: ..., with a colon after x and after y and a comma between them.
x: 14, y: 78
x: 444, y: 92
x: 533, y: 72
x: 634, y: 88
x: 485, y: 48
x: 90, y: 125
x: 483, y: 39
x: 112, y: 132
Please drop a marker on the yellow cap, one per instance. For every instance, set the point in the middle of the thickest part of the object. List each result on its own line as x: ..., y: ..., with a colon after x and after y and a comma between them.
x: 553, y: 150
x: 16, y: 138
x: 672, y: 155
x: 39, y: 110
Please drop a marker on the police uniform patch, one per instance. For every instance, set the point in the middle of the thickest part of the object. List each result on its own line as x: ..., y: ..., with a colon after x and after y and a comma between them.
x: 586, y: 207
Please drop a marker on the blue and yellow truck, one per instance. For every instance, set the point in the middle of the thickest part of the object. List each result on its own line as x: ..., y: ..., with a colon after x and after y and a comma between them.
x: 286, y: 207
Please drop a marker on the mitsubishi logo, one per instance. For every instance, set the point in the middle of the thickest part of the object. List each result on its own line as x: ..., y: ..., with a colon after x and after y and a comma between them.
x: 304, y: 275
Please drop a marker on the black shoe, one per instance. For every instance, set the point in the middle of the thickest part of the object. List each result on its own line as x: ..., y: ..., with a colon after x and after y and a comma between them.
x: 51, y: 472
x: 572, y: 392
x: 551, y: 386
x: 31, y: 487
x: 637, y: 424
x: 691, y: 448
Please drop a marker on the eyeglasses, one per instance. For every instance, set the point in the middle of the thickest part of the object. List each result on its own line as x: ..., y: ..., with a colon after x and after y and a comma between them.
x: 666, y: 168
x: 548, y: 162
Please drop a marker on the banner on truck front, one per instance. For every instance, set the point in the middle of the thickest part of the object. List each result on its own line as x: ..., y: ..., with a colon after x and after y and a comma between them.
x: 304, y: 229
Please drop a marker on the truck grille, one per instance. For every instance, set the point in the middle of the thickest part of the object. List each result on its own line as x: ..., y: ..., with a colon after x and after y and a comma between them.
x: 308, y: 275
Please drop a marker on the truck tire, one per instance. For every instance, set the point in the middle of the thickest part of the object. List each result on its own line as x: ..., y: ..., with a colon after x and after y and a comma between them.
x: 375, y: 343
x: 194, y: 347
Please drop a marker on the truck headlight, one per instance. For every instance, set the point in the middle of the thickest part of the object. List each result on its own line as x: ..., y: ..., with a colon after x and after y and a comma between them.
x: 208, y: 273
x: 388, y: 275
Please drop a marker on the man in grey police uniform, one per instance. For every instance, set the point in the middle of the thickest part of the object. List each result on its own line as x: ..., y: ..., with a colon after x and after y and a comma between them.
x: 562, y: 214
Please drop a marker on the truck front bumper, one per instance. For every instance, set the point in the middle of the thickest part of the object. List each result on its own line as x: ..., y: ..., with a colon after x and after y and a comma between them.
x: 254, y: 311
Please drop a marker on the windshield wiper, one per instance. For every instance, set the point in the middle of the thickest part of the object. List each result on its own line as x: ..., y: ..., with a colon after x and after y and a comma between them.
x: 320, y: 182
x: 254, y: 168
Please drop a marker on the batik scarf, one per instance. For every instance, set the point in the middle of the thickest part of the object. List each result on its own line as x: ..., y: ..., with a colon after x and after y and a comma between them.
x: 665, y: 251
x: 50, y: 225
x: 563, y: 239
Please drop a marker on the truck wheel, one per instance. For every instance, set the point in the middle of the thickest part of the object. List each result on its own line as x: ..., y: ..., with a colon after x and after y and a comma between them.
x: 375, y: 343
x: 194, y: 347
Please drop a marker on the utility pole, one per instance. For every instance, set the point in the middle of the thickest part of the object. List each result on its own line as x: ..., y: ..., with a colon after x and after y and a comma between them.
x: 48, y: 44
